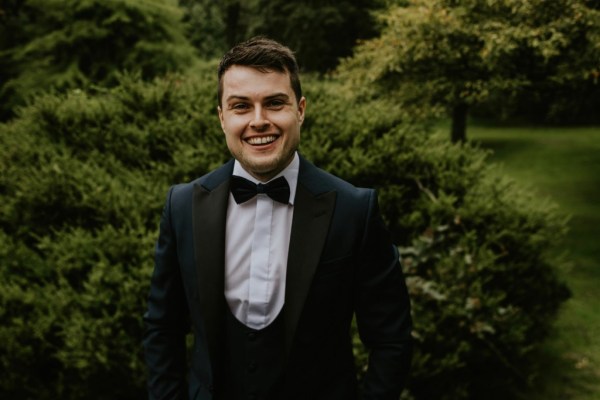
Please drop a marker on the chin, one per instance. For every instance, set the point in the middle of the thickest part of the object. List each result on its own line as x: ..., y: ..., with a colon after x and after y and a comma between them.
x: 264, y: 169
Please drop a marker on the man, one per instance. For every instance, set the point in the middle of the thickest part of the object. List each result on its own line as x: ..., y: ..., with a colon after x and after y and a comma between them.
x: 268, y: 258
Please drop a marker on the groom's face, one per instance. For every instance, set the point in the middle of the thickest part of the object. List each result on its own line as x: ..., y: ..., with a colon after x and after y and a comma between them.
x: 261, y: 119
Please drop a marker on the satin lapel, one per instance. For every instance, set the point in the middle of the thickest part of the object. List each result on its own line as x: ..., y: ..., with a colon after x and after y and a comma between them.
x: 209, y: 213
x: 312, y: 215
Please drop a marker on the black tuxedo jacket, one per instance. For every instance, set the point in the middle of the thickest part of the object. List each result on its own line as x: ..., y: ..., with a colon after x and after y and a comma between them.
x: 341, y: 263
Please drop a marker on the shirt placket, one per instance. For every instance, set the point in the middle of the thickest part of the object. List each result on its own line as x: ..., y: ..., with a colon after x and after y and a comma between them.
x: 258, y: 292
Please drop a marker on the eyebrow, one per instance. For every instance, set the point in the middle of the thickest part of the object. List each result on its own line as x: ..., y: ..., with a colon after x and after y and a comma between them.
x: 278, y: 95
x: 270, y: 97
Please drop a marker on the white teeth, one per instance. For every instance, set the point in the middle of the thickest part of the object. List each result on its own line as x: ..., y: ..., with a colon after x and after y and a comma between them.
x: 261, y: 139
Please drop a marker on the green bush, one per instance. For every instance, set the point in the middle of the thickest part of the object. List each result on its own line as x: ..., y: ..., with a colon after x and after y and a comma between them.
x: 83, y: 182
x: 62, y: 44
x: 477, y: 249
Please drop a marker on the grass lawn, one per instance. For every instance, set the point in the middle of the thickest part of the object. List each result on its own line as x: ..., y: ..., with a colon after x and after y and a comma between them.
x: 563, y: 164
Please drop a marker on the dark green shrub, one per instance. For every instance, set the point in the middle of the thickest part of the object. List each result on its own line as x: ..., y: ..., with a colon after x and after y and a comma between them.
x: 475, y: 246
x: 62, y: 44
x: 82, y: 185
x: 83, y: 182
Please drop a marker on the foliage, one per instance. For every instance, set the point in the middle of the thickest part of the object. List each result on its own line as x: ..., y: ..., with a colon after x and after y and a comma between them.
x: 564, y: 163
x: 60, y: 44
x: 83, y: 182
x: 320, y: 32
x: 475, y: 246
x: 84, y: 178
x: 450, y: 55
x: 215, y: 26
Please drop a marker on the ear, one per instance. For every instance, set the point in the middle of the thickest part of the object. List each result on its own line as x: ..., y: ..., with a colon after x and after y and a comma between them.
x: 220, y: 111
x: 301, y: 109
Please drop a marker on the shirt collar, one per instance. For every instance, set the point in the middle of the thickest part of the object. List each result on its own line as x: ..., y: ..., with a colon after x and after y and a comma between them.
x: 290, y: 173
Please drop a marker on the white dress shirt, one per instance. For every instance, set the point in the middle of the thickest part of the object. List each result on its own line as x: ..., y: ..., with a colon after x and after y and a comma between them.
x: 257, y: 241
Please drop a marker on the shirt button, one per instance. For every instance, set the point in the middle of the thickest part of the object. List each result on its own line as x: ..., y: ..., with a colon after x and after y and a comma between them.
x: 252, y: 367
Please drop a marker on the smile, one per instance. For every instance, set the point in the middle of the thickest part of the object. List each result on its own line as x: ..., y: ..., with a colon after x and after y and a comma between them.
x: 258, y: 140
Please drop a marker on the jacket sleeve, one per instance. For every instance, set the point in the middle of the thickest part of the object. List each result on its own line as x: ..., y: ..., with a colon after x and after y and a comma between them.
x: 167, y: 318
x: 382, y: 310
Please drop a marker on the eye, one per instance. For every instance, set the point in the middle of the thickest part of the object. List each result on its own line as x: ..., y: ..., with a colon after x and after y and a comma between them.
x: 276, y: 103
x: 239, y: 106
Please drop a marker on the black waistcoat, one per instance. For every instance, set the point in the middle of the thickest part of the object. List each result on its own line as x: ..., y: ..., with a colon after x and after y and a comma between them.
x: 254, y: 360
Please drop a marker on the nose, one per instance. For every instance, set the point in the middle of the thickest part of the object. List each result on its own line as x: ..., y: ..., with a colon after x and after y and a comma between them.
x: 259, y: 122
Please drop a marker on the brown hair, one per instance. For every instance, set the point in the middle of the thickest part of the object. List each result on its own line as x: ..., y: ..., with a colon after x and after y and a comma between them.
x: 265, y: 55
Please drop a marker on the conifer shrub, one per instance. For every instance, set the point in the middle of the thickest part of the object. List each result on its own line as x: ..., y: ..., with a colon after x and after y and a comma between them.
x: 478, y: 250
x: 83, y: 181
x: 65, y: 44
x: 84, y: 175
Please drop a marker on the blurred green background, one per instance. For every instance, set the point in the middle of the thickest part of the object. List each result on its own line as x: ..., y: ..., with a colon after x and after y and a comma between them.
x: 476, y: 121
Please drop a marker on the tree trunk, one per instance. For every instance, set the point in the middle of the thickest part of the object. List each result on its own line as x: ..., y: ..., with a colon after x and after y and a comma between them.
x: 459, y: 123
x: 232, y: 22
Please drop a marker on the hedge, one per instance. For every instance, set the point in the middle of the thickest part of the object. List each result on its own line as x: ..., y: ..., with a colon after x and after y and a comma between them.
x: 83, y: 182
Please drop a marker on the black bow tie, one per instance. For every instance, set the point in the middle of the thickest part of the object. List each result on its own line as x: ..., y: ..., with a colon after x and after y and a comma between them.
x: 243, y: 189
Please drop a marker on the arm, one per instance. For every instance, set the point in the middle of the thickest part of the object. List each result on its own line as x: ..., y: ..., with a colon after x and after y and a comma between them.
x: 166, y: 320
x: 382, y: 311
